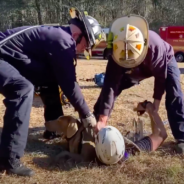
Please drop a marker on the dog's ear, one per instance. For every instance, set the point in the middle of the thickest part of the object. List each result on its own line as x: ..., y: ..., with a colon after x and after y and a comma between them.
x: 72, y: 129
x: 68, y: 125
x: 63, y: 122
x: 51, y: 125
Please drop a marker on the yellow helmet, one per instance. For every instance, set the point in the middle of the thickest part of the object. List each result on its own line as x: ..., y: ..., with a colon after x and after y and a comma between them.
x: 129, y: 39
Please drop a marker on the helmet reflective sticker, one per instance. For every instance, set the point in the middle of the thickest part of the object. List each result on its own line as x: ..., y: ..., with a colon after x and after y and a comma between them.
x: 122, y: 29
x: 115, y: 37
x: 72, y: 13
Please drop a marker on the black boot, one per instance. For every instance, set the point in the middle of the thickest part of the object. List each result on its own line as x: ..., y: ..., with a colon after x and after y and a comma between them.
x: 14, y: 166
x: 49, y: 135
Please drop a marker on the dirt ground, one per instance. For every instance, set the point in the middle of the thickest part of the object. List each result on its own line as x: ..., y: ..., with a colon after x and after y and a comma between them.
x: 163, y: 166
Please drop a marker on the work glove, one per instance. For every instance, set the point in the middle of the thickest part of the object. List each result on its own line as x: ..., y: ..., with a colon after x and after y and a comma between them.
x: 89, y: 121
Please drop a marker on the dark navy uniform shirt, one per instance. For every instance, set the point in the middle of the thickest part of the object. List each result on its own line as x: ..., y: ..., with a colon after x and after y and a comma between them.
x: 159, y: 55
x: 45, y: 55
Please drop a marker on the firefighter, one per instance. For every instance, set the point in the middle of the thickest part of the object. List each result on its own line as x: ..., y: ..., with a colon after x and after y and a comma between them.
x: 137, y: 53
x: 52, y: 99
x: 41, y: 56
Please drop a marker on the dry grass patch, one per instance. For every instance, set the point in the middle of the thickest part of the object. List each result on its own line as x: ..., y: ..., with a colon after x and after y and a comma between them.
x: 162, y: 166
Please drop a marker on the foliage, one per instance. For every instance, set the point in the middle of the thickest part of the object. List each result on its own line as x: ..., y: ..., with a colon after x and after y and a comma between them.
x: 31, y: 12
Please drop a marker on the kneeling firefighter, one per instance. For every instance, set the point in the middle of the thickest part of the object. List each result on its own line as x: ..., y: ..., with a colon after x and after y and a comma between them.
x: 41, y: 56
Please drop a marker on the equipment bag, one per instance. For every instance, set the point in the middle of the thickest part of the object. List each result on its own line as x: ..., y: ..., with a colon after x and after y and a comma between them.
x: 99, y: 79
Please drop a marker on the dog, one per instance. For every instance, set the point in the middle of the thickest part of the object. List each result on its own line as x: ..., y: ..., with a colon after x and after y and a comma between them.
x: 81, y: 141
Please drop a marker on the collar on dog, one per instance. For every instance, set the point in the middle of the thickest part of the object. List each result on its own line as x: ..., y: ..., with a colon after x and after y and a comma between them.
x: 79, y: 39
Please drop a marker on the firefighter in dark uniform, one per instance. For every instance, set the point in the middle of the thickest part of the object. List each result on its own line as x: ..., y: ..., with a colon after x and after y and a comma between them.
x: 53, y: 99
x: 41, y: 56
x: 137, y: 53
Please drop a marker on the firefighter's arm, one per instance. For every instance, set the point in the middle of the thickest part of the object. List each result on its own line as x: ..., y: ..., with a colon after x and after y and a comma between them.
x: 159, y: 70
x: 111, y: 87
x: 62, y: 63
x: 110, y: 91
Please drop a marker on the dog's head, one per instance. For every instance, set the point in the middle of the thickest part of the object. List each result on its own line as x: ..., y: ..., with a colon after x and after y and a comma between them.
x: 66, y: 125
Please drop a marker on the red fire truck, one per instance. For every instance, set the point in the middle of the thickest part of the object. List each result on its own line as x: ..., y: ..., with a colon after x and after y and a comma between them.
x: 174, y: 35
x: 100, y: 50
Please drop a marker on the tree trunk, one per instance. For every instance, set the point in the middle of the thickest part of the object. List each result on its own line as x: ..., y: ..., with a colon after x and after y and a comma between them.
x: 38, y: 9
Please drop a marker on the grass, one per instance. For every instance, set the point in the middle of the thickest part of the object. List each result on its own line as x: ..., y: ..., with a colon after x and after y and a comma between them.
x: 163, y: 166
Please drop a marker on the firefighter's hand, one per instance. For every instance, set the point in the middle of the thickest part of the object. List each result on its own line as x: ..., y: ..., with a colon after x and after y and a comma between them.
x: 89, y: 121
x: 99, y: 126
x: 102, y: 122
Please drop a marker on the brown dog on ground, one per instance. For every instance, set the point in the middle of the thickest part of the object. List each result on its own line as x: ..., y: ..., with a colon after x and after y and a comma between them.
x: 81, y: 141
x: 81, y: 146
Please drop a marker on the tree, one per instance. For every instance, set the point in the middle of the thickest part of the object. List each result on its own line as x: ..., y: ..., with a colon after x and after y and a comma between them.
x: 30, y: 12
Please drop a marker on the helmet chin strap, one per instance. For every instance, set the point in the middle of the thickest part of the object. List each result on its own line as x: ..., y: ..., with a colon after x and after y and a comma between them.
x: 79, y: 39
x: 86, y: 52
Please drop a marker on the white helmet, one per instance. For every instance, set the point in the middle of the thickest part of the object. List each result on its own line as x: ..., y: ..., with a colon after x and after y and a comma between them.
x: 129, y: 36
x: 109, y: 145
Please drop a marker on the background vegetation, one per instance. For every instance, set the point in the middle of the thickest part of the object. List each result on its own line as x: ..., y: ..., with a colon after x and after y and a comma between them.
x: 31, y: 12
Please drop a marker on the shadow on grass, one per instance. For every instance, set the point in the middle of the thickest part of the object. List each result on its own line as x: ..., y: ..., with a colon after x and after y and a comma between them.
x: 37, y: 102
x: 63, y: 165
x: 37, y: 148
x: 43, y: 152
